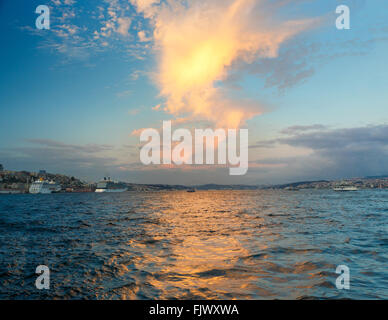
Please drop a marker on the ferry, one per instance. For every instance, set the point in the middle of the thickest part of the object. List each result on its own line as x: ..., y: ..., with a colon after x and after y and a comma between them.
x: 45, y: 187
x: 107, y: 185
x: 345, y: 188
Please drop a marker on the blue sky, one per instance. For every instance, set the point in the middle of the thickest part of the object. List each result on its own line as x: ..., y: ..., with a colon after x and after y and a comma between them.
x: 93, y: 78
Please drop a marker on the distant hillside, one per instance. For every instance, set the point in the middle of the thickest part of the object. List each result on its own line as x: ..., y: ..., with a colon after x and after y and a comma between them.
x: 377, y: 177
x: 380, y: 182
x: 20, y: 180
x: 300, y: 183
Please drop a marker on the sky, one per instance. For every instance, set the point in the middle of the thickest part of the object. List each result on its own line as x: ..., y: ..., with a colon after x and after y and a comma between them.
x: 74, y: 98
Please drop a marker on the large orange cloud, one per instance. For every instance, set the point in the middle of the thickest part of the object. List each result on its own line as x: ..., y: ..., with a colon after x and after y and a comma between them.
x: 197, y: 43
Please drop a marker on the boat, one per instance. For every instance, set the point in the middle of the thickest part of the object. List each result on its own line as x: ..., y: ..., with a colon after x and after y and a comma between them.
x: 108, y: 185
x: 45, y: 187
x: 191, y: 190
x: 345, y: 188
x: 291, y: 189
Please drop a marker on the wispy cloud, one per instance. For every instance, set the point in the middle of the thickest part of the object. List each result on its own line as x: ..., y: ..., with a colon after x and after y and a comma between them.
x: 298, y: 129
x: 89, y: 148
x: 79, y: 31
x: 91, y: 160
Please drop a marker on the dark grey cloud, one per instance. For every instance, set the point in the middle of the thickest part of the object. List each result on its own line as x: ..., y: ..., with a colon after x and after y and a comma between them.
x: 351, y: 139
x: 352, y: 152
x: 336, y: 153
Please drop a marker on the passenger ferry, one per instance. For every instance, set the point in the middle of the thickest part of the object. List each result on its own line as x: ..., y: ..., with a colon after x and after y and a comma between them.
x: 345, y: 188
x: 45, y: 187
x: 108, y: 185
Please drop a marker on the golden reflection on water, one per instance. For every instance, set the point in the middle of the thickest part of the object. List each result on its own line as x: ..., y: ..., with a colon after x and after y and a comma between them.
x: 204, y: 243
x: 219, y: 245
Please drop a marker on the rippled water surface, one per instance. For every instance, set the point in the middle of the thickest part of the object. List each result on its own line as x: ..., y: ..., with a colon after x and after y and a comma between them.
x: 203, y: 245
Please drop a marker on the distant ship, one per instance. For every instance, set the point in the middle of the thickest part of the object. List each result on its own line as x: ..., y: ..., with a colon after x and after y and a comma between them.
x: 43, y: 186
x: 345, y: 188
x: 291, y: 189
x: 107, y: 185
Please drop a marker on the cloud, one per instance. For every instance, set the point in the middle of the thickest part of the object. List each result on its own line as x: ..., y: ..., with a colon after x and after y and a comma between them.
x: 143, y: 36
x: 124, y: 93
x: 298, y: 129
x: 197, y: 44
x: 136, y: 74
x: 137, y: 132
x: 81, y: 30
x: 335, y: 153
x: 292, y: 66
x: 89, y: 148
x: 90, y: 161
x: 123, y: 26
x: 147, y: 7
x: 64, y: 2
x: 304, y: 153
x: 105, y: 26
x: 344, y: 140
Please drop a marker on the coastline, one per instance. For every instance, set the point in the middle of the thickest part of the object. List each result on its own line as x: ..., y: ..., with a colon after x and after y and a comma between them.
x: 17, y: 182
